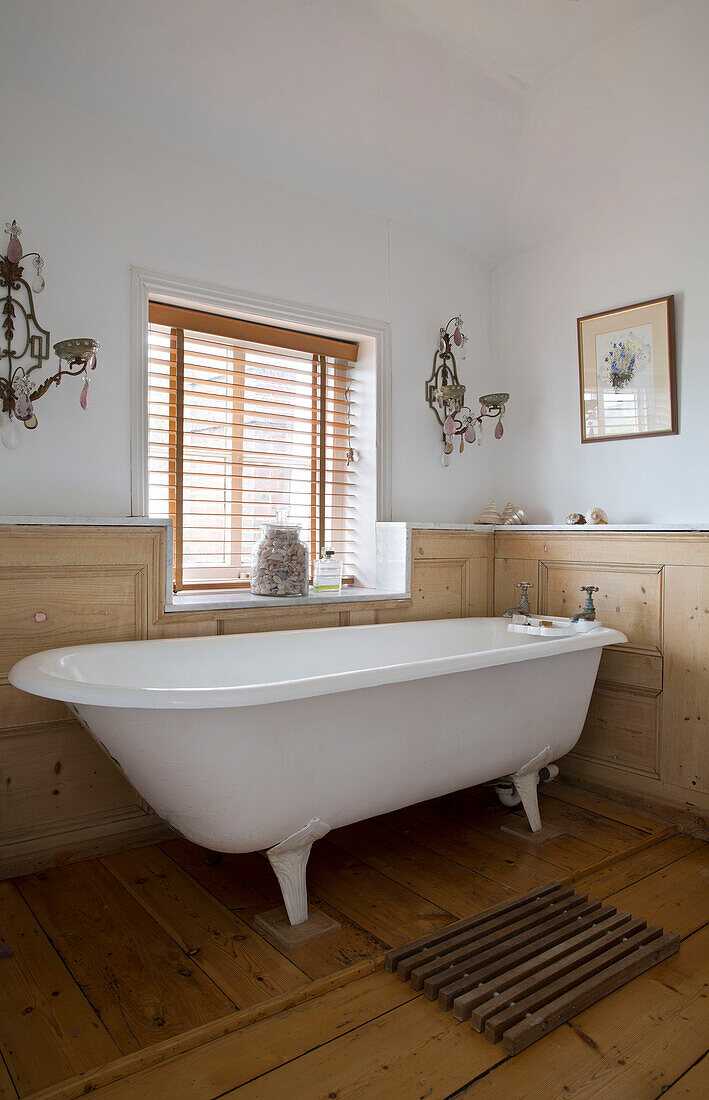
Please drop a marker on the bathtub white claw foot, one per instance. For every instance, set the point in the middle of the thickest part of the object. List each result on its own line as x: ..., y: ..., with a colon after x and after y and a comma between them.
x: 294, y: 925
x: 526, y: 780
x: 289, y: 860
x: 526, y: 785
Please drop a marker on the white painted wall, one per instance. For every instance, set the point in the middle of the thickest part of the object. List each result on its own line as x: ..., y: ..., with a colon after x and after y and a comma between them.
x: 610, y: 192
x: 96, y: 200
x: 613, y: 193
x: 644, y: 251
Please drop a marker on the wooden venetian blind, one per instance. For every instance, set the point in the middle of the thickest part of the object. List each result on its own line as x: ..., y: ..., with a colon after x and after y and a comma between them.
x: 243, y: 418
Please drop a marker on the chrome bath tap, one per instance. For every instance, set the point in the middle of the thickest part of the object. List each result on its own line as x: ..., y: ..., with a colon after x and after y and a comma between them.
x: 589, y: 610
x: 523, y: 608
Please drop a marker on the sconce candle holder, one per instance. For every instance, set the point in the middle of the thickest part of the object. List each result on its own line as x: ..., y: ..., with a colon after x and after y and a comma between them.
x: 27, y: 344
x: 445, y: 394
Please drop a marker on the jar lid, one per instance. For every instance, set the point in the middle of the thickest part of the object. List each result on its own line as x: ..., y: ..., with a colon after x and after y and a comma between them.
x: 281, y: 524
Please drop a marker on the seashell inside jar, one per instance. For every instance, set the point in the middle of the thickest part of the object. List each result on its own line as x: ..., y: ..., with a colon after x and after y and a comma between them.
x: 280, y: 561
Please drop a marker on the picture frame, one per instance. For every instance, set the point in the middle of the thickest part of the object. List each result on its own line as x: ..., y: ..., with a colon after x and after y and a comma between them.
x: 627, y: 372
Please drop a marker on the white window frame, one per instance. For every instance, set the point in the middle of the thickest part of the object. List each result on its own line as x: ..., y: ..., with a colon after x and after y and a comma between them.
x: 375, y: 351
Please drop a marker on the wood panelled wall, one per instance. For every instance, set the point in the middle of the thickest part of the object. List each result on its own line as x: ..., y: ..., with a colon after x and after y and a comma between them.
x: 647, y: 732
x: 61, y: 798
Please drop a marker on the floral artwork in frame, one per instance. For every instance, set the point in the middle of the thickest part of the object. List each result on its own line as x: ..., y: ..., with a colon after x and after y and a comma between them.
x: 627, y: 372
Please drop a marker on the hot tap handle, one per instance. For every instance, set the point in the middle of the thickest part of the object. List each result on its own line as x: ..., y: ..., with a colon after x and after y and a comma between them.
x: 589, y: 607
x: 524, y: 585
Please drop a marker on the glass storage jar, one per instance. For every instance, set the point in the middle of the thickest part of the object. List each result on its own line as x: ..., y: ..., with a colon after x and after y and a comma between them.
x: 280, y: 561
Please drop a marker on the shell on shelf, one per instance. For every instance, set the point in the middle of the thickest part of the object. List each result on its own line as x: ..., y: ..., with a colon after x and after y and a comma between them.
x: 575, y: 518
x: 596, y: 515
x: 512, y: 515
x: 491, y: 514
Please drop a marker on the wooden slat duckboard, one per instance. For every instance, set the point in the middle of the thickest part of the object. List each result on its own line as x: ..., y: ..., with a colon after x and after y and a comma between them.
x: 522, y: 968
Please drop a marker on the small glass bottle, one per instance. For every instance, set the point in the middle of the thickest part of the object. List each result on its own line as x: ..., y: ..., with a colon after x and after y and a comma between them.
x: 279, y: 565
x: 327, y: 574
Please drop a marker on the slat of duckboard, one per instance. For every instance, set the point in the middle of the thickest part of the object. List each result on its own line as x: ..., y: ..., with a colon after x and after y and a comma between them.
x: 522, y: 968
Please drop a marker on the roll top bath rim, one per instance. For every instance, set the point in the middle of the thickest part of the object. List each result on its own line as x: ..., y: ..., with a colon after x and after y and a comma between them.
x: 280, y: 561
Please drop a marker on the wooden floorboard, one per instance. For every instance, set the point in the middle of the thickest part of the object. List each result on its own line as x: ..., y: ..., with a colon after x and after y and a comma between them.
x: 495, y: 857
x: 386, y: 909
x: 456, y: 888
x: 600, y: 883
x: 49, y: 1030
x: 677, y: 896
x: 141, y: 984
x: 158, y: 946
x: 242, y: 964
x: 213, y: 1068
x: 585, y: 825
x: 7, y: 1089
x: 693, y: 1083
x: 596, y: 804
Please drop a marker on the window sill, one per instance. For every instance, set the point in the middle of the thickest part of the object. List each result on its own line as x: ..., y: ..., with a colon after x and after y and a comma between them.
x: 243, y: 601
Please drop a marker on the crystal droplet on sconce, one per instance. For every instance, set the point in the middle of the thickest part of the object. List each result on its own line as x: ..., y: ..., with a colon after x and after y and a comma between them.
x: 449, y: 426
x: 14, y: 250
x: 22, y: 405
x: 10, y: 435
x: 470, y: 433
x: 457, y: 337
x: 84, y: 395
x: 499, y: 430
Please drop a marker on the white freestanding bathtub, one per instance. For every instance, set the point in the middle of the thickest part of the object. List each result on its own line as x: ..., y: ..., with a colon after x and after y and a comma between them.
x: 267, y: 741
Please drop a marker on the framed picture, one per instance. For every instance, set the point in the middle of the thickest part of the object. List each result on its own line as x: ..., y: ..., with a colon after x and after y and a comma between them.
x: 627, y: 372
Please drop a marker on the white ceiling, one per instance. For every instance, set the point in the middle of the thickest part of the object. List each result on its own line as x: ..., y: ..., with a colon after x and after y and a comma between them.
x: 489, y: 122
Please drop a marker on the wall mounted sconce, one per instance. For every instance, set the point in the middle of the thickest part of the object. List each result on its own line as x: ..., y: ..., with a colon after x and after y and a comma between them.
x: 27, y: 348
x: 445, y: 394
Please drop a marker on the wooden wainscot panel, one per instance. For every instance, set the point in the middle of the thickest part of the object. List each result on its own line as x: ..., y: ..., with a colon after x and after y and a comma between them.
x: 17, y: 708
x: 54, y: 546
x: 191, y: 626
x: 508, y: 573
x: 600, y: 545
x: 439, y: 589
x: 622, y: 728
x: 630, y: 597
x: 52, y: 772
x: 685, y: 741
x: 451, y: 574
x: 437, y: 544
x: 287, y: 618
x: 625, y: 667
x: 49, y: 607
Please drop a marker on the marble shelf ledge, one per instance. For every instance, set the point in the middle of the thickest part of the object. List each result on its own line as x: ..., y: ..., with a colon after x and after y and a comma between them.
x: 243, y: 600
x: 584, y: 528
x: 87, y: 521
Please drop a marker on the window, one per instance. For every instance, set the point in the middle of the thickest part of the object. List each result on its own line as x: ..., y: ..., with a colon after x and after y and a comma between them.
x: 243, y: 418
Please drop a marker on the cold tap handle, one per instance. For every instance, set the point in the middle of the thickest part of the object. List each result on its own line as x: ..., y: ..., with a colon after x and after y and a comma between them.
x: 524, y: 607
